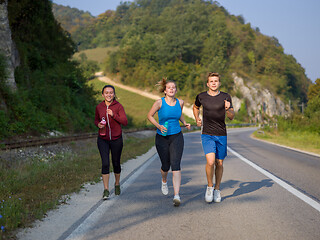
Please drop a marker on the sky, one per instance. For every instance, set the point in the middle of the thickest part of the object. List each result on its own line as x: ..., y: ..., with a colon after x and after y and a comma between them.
x: 295, y: 23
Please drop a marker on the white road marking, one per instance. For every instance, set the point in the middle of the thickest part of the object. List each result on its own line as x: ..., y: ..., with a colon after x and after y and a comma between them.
x: 286, y: 186
x: 91, y: 220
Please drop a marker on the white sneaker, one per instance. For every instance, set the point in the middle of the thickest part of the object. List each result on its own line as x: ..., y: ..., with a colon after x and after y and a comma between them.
x: 217, y: 196
x: 209, y: 194
x: 164, y: 188
x: 176, y: 201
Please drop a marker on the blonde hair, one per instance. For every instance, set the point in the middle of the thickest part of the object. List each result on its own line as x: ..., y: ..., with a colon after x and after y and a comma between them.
x: 163, y: 83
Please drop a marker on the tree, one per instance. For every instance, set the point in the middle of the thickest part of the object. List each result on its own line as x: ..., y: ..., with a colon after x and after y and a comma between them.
x: 314, y: 89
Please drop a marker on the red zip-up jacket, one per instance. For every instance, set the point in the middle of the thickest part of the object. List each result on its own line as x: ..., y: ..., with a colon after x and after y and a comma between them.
x: 114, y: 123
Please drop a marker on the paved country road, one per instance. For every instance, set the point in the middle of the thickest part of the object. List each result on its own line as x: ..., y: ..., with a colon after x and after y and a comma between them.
x: 257, y: 200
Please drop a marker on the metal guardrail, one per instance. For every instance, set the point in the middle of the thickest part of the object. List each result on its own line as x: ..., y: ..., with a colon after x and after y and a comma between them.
x: 241, y: 124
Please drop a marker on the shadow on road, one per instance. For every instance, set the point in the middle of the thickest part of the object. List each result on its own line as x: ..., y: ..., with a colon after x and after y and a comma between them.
x: 245, y: 187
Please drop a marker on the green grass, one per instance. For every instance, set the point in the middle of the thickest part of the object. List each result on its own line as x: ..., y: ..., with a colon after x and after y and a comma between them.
x: 28, y: 190
x: 303, y: 140
x: 96, y: 54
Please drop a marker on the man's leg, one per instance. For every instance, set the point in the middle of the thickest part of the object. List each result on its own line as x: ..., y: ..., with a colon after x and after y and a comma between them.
x: 209, y: 172
x: 210, y: 168
x: 218, y: 172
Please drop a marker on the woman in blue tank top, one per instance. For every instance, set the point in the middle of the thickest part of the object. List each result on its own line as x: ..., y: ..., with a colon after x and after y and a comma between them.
x: 169, y: 139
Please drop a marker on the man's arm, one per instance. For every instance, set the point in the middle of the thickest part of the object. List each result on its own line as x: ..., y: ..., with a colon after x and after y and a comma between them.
x: 196, y: 113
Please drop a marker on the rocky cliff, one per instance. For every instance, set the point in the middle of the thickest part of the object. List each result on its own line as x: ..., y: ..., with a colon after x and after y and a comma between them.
x: 258, y: 101
x: 7, y: 46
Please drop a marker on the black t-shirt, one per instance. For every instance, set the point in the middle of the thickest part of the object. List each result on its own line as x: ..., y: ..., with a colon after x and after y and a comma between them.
x: 214, y: 112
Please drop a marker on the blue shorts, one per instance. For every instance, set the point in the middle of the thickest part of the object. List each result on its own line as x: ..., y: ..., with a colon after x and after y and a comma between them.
x: 215, y: 144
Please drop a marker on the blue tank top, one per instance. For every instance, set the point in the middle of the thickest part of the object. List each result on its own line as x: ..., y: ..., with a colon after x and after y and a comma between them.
x: 170, y: 114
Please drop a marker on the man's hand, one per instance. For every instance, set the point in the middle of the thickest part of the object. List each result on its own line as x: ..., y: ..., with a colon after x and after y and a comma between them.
x: 227, y: 105
x: 199, y: 122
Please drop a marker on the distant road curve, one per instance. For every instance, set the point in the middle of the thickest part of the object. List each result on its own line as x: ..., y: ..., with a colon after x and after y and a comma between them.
x: 186, y: 110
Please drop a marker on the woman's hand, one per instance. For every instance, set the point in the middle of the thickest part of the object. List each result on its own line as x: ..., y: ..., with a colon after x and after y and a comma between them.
x: 162, y: 129
x: 188, y: 126
x: 110, y: 112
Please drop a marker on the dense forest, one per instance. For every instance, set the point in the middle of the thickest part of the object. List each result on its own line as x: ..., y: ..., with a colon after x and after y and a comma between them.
x: 71, y: 19
x: 183, y: 40
x: 52, y: 92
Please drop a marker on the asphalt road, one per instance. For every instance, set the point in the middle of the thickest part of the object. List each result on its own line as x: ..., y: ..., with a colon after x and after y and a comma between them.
x: 300, y: 170
x: 255, y: 205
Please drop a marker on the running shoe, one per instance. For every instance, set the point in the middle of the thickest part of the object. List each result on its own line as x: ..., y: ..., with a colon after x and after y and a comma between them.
x: 106, y: 194
x: 117, y: 189
x: 216, y: 196
x: 164, y: 188
x: 209, y: 194
x: 176, y: 201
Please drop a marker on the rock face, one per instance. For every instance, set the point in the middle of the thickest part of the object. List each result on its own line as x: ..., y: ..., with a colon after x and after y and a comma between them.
x: 259, y: 101
x: 7, y: 46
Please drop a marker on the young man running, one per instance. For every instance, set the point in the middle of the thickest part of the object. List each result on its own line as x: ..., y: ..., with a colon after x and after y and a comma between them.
x: 215, y: 105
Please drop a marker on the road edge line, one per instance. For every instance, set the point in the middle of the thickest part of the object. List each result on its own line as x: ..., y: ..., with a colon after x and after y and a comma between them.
x: 286, y: 186
x: 82, y: 229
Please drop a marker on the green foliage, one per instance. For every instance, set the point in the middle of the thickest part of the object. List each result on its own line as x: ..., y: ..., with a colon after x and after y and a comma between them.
x: 196, y: 37
x: 88, y: 67
x: 299, y: 122
x: 52, y: 90
x: 71, y: 19
x: 314, y: 89
x: 157, y: 38
x: 312, y: 112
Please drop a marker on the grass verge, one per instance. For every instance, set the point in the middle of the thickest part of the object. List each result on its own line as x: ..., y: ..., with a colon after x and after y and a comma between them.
x: 96, y: 54
x: 303, y: 140
x: 29, y: 189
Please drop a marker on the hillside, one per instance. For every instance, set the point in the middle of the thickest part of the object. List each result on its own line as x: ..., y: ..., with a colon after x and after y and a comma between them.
x: 71, y: 19
x: 52, y: 94
x: 183, y: 40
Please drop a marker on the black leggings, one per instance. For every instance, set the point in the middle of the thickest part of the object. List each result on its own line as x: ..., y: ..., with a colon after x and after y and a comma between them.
x: 104, y: 147
x: 170, y: 150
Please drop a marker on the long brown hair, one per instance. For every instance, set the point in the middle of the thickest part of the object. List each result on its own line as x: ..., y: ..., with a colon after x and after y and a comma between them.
x: 163, y: 83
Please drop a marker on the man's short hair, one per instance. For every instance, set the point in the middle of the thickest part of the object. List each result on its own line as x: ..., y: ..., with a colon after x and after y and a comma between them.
x: 213, y: 74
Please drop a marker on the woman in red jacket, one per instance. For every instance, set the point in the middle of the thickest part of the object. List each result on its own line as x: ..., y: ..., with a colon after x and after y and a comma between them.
x: 109, y: 117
